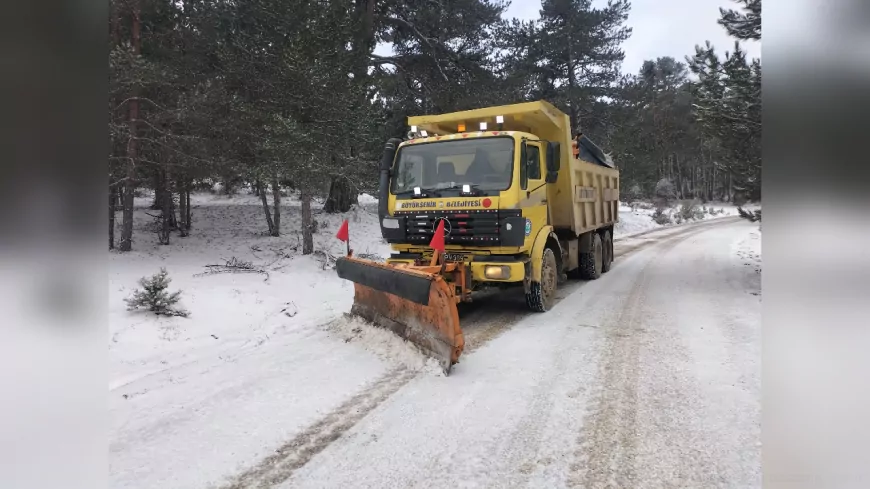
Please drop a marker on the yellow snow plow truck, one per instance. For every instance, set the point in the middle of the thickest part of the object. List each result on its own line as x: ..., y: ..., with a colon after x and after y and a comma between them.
x: 520, y: 203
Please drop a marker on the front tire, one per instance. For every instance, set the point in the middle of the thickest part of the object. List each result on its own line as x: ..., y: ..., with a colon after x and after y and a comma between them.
x: 592, y: 260
x: 542, y: 294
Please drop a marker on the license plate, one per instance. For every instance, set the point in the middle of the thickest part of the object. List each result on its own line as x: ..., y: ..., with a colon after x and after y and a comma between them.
x: 454, y: 257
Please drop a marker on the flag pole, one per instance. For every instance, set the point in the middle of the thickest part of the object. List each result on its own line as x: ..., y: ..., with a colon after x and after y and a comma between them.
x: 344, y: 235
x: 437, y: 248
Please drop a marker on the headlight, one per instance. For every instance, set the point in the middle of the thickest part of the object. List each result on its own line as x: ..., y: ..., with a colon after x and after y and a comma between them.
x: 497, y: 272
x: 391, y: 223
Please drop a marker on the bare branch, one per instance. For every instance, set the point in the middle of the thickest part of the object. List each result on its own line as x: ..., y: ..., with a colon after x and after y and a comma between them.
x: 119, y: 182
x: 427, y: 40
x: 141, y: 99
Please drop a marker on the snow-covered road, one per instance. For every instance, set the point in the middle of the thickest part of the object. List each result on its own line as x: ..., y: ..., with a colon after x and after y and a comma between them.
x: 648, y: 377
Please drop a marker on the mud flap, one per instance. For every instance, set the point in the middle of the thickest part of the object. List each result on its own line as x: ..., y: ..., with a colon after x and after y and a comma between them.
x: 418, y: 306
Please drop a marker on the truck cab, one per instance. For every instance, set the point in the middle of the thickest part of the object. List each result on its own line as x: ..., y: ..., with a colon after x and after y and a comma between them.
x: 521, y: 201
x: 490, y: 189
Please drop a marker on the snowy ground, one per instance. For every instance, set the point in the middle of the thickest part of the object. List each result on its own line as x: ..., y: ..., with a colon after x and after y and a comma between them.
x: 267, y: 363
x: 189, y: 396
x: 649, y: 377
x: 638, y: 218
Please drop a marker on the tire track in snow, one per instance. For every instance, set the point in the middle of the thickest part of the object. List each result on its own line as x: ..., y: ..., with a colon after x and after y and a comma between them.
x: 492, y: 317
x: 607, y: 441
x: 280, y: 466
x: 623, y: 246
x: 606, y: 454
x: 480, y: 324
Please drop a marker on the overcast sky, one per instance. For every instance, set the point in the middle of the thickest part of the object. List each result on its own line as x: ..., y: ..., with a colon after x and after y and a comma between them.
x: 662, y: 28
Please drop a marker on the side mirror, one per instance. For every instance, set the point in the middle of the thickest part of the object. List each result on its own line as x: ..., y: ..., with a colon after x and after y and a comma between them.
x: 389, y: 154
x: 554, y: 157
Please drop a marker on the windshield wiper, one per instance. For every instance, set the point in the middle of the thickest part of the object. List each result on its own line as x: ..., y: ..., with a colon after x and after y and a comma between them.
x: 475, y: 189
x: 424, y: 193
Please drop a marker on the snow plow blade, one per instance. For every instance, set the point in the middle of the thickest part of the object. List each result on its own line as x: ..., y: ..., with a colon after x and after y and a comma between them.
x: 417, y: 305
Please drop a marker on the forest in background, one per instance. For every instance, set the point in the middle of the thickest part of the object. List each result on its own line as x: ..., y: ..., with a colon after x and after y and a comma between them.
x: 286, y: 95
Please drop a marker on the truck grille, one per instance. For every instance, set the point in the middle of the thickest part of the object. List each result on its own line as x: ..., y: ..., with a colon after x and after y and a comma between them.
x: 463, y: 227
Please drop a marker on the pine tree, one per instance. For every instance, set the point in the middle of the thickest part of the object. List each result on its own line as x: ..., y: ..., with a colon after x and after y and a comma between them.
x: 743, y: 25
x: 289, y: 95
x: 653, y: 134
x: 580, y: 54
x: 155, y: 297
x: 728, y: 107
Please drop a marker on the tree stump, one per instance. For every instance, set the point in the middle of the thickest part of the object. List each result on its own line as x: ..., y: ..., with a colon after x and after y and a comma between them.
x: 341, y: 195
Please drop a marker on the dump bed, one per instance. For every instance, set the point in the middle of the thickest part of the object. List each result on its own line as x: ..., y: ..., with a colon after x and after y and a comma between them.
x: 586, y: 195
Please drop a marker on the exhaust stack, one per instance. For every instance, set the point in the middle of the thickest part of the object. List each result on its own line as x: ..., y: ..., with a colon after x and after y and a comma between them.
x: 384, y: 167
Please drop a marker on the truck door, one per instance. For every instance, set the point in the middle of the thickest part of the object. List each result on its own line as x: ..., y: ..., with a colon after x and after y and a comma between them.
x: 533, y: 188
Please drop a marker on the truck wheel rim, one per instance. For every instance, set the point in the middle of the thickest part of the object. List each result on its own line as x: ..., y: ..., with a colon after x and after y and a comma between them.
x: 548, y: 279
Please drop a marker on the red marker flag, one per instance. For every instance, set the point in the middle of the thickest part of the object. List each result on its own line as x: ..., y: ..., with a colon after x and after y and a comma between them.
x: 343, y: 232
x: 437, y: 242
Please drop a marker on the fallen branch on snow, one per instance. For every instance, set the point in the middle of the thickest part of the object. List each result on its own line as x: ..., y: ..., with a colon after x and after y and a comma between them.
x: 327, y: 260
x: 233, y: 265
x: 752, y: 216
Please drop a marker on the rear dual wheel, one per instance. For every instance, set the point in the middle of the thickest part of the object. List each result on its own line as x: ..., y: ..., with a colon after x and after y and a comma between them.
x: 592, y: 259
x: 608, y: 252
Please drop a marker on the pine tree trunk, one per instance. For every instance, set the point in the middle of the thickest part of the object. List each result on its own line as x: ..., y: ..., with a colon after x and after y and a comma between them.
x: 713, y: 184
x: 573, y: 105
x: 182, y: 212
x: 341, y: 195
x: 115, y: 23
x: 705, y: 183
x: 187, y: 220
x: 730, y: 186
x: 170, y: 196
x: 266, y: 209
x: 157, y: 203
x: 307, y: 228
x: 112, y: 199
x: 276, y: 203
x: 126, y: 243
x: 182, y: 209
x: 114, y: 195
x: 679, y: 182
x: 165, y: 208
x: 693, y: 180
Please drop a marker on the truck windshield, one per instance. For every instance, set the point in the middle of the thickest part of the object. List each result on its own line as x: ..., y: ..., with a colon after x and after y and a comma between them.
x: 485, y: 163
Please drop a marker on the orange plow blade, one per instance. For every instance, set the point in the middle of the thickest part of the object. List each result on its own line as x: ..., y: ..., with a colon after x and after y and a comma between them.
x: 414, y: 304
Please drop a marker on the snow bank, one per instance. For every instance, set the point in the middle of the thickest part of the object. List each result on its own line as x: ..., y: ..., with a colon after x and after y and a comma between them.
x: 366, y: 199
x: 229, y: 309
x: 638, y: 219
x: 384, y: 344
